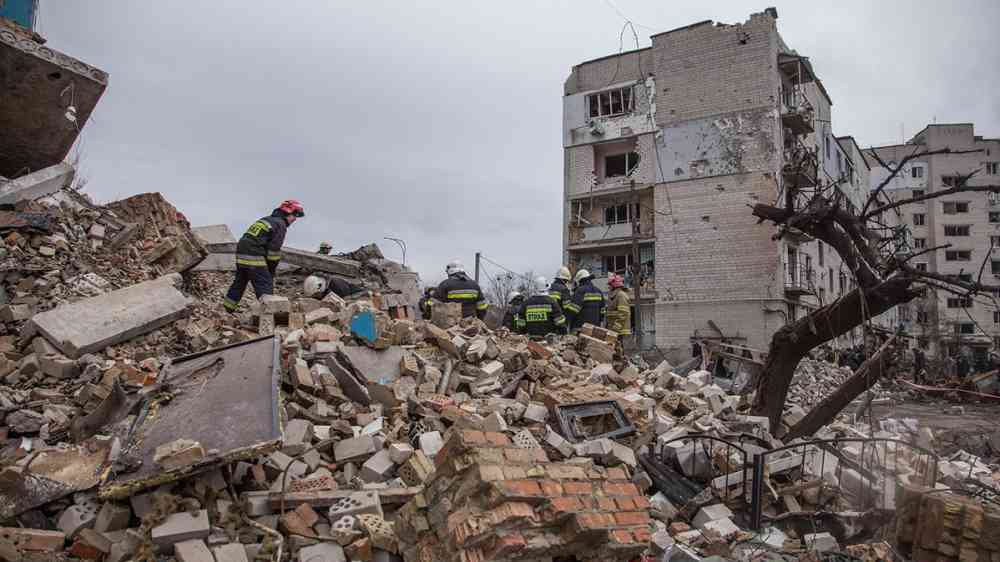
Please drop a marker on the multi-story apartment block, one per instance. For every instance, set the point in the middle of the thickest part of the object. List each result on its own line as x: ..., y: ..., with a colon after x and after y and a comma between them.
x: 666, y: 150
x: 969, y: 222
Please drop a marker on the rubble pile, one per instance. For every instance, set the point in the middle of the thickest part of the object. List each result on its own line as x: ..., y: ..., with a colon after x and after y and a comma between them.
x: 336, y: 429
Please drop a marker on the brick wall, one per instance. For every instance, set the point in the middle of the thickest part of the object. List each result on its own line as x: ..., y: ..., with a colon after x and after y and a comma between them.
x: 597, y: 74
x: 711, y: 69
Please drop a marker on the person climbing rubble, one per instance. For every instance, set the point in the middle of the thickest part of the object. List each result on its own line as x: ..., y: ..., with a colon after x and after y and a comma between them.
x: 587, y: 305
x: 258, y: 253
x: 458, y: 287
x: 319, y: 286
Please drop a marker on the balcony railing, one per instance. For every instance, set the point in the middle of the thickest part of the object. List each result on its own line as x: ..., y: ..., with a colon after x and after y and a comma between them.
x: 796, y: 112
x: 798, y: 279
x: 801, y: 168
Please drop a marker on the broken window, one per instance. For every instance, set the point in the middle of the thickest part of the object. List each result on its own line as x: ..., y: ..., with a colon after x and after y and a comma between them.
x: 611, y: 102
x: 958, y: 255
x: 995, y: 267
x: 994, y: 216
x: 593, y: 420
x: 956, y: 229
x: 621, y: 214
x: 917, y: 171
x: 617, y: 165
x: 919, y: 219
x: 992, y: 168
x: 617, y: 264
x: 965, y: 328
x: 959, y: 302
x: 922, y: 266
x: 919, y: 243
x: 956, y: 207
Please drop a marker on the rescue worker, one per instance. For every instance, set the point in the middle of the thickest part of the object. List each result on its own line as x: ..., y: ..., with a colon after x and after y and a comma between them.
x: 318, y: 287
x: 619, y: 308
x: 540, y: 314
x: 560, y: 287
x: 427, y: 303
x: 587, y: 305
x: 514, y: 301
x: 325, y: 248
x: 458, y: 287
x: 259, y: 252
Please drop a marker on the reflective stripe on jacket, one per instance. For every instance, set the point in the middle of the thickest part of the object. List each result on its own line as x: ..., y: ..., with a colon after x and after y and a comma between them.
x: 540, y: 315
x: 459, y: 288
x: 620, y: 313
x: 261, y: 244
x: 587, y: 306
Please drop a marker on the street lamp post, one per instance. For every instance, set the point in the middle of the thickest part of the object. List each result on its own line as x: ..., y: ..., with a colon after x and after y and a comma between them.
x: 402, y: 246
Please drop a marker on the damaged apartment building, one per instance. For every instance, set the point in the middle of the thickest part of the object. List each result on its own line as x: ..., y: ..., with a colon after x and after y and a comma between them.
x: 969, y: 222
x: 667, y: 147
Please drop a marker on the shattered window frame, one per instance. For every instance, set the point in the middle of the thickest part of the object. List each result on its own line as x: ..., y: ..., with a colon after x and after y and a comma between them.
x: 603, y: 104
x: 630, y: 160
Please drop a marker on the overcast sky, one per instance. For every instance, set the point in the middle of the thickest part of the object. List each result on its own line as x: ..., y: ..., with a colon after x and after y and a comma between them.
x: 439, y: 123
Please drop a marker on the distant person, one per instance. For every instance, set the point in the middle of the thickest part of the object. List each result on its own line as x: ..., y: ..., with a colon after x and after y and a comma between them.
x: 587, y: 305
x: 325, y: 248
x: 514, y: 301
x: 458, y: 287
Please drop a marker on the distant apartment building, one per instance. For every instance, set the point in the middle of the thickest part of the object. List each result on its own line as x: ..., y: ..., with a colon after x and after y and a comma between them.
x: 969, y: 222
x: 667, y: 148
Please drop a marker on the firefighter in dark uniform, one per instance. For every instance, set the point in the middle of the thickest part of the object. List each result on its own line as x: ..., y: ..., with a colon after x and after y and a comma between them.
x: 587, y: 306
x: 259, y: 252
x: 540, y: 314
x: 560, y: 287
x: 514, y: 301
x: 427, y: 303
x: 459, y: 288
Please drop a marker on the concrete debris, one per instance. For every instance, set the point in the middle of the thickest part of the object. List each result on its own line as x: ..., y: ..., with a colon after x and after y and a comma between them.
x: 418, y: 440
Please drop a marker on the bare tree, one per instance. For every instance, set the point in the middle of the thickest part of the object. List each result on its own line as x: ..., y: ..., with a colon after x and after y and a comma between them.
x: 500, y: 286
x: 883, y: 277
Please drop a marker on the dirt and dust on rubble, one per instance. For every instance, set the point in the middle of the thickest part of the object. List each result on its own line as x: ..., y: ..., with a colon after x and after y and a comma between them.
x: 141, y: 422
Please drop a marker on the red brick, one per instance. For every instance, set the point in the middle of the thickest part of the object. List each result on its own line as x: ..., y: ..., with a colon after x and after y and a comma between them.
x: 508, y: 544
x: 565, y: 505
x: 622, y: 536
x: 550, y: 488
x: 642, y: 535
x: 473, y: 437
x: 625, y: 504
x: 632, y: 518
x: 498, y: 439
x: 518, y: 511
x: 678, y: 527
x: 538, y: 455
x: 520, y: 488
x: 594, y: 521
x: 621, y: 489
x: 520, y: 456
x: 641, y: 502
x: 606, y: 504
x: 578, y: 488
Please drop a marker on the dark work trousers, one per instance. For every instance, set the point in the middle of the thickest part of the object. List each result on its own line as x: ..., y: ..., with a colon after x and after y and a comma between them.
x: 258, y: 276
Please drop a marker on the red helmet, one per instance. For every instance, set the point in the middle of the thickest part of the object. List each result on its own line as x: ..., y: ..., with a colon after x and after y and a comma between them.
x: 616, y: 282
x: 292, y: 207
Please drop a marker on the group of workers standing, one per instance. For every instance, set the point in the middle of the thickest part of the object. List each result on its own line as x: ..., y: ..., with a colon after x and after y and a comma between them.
x: 562, y: 307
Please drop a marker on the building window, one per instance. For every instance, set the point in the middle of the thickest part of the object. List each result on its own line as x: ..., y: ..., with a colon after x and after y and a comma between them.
x: 921, y: 316
x: 959, y: 302
x: 917, y: 171
x: 843, y: 281
x: 950, y: 181
x: 958, y: 255
x: 992, y: 168
x: 918, y: 193
x: 996, y: 342
x: 956, y: 230
x: 922, y: 266
x: 618, y: 165
x: 994, y: 216
x: 620, y: 214
x: 827, y: 146
x: 919, y: 243
x: 617, y: 264
x: 965, y: 328
x: 996, y: 317
x: 612, y: 102
x: 956, y: 207
x: 919, y: 219
x: 995, y: 267
x: 820, y: 256
x: 830, y: 279
x: 994, y: 197
x: 995, y: 241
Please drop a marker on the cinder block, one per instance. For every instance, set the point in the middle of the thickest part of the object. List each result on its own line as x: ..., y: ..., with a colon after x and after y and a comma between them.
x: 297, y: 437
x: 400, y: 452
x: 711, y: 513
x: 76, y: 518
x: 325, y: 551
x: 181, y: 527
x: 193, y: 551
x: 354, y: 448
x: 536, y: 413
x: 112, y: 517
x: 416, y: 470
x: 430, y: 443
x: 356, y: 504
x: 378, y: 468
x: 232, y: 552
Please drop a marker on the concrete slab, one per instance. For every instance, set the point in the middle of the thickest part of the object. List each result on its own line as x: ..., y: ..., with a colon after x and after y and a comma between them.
x: 90, y: 325
x: 36, y: 133
x: 37, y: 184
x: 216, y: 238
x: 318, y: 262
x: 181, y: 527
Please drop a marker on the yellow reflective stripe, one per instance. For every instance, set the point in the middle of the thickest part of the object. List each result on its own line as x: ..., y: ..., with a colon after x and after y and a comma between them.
x: 483, y: 305
x: 253, y: 262
x: 623, y: 307
x: 463, y: 294
x: 592, y: 297
x: 274, y: 258
x: 573, y: 307
x: 560, y: 321
x: 556, y: 295
x: 539, y: 308
x: 230, y: 304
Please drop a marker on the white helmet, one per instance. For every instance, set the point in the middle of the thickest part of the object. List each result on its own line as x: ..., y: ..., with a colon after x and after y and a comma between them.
x: 513, y: 295
x: 314, y: 286
x: 581, y: 275
x: 541, y: 285
x: 454, y: 267
x: 563, y: 274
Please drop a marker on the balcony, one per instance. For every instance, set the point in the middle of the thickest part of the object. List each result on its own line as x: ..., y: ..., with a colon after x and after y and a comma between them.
x: 797, y: 113
x: 798, y: 280
x: 801, y: 168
